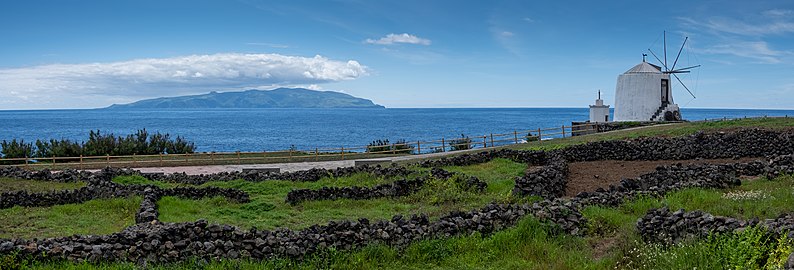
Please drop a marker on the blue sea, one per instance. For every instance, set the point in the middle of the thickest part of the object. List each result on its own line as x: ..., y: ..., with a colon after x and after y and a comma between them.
x: 278, y: 129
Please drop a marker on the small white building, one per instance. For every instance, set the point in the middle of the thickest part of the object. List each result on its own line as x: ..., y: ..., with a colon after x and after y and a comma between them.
x: 643, y: 94
x: 599, y: 112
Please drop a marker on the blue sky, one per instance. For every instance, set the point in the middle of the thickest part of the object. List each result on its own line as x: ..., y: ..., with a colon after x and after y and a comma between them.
x: 88, y: 54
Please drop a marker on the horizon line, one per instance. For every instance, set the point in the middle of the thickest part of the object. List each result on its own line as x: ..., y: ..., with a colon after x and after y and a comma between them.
x: 384, y: 107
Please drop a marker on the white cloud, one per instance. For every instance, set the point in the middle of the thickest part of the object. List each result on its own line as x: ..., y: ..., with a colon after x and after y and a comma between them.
x: 399, y: 38
x: 506, y: 34
x: 746, y: 38
x: 758, y: 50
x: 778, y: 12
x: 772, y: 22
x: 747, y: 29
x: 81, y: 85
x: 528, y: 19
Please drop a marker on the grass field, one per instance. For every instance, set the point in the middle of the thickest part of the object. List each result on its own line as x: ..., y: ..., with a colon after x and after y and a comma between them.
x: 268, y: 210
x: 102, y: 216
x: 612, y: 241
x: 10, y: 184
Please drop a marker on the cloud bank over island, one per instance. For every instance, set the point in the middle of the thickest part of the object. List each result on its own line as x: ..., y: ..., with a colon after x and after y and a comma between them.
x: 99, y: 84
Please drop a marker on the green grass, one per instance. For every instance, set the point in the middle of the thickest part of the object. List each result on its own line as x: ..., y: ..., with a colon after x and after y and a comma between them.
x: 267, y: 209
x: 101, y: 216
x: 140, y: 180
x: 747, y: 249
x: 770, y: 199
x: 12, y: 184
x: 499, y: 173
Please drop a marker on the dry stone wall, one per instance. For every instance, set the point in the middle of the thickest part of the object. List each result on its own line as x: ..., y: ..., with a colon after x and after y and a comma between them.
x: 668, y: 227
x: 310, y: 175
x: 520, y: 156
x: 741, y: 143
x: 549, y: 181
x: 395, y: 189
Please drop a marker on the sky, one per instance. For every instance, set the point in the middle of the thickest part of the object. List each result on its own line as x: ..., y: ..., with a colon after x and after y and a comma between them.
x: 409, y: 53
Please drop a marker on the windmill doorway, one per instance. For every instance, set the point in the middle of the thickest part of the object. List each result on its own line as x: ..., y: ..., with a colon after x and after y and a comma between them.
x: 665, y: 91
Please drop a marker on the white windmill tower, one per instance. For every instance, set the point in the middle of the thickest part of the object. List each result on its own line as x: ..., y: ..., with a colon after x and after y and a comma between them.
x: 643, y: 93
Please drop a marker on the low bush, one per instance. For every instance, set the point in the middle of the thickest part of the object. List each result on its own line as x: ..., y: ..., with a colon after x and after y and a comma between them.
x: 462, y: 143
x: 16, y: 149
x: 751, y: 248
x: 531, y: 138
x: 98, y: 144
x: 384, y: 146
x: 378, y: 146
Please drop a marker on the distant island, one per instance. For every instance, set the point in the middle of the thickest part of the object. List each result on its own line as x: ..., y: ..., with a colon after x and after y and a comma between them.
x: 276, y: 98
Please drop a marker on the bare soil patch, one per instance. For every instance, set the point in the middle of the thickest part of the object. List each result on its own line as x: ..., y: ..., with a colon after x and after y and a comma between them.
x: 591, y: 175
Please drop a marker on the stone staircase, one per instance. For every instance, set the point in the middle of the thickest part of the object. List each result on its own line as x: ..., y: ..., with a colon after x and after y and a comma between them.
x: 659, y: 111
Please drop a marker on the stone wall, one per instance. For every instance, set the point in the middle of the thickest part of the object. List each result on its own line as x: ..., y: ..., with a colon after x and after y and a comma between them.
x: 741, y: 143
x: 520, y: 156
x: 549, y: 181
x: 395, y: 189
x: 310, y: 175
x: 668, y: 227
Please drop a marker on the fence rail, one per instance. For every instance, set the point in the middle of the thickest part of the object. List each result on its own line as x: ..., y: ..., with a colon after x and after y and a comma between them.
x: 316, y: 154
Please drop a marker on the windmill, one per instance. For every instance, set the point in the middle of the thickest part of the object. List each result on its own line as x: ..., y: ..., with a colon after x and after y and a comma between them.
x: 643, y: 92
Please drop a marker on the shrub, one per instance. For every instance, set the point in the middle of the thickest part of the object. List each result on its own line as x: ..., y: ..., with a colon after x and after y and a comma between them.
x: 462, y: 143
x: 751, y: 248
x: 99, y: 144
x: 180, y: 146
x: 16, y: 149
x: 402, y: 147
x: 754, y: 247
x: 531, y: 138
x: 383, y: 146
x: 55, y: 148
x: 378, y: 146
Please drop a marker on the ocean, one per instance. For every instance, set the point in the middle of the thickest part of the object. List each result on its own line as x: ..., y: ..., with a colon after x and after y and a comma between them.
x: 228, y: 130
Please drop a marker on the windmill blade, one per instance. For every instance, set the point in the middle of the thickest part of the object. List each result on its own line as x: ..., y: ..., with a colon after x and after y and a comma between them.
x: 665, y: 50
x: 679, y: 53
x: 682, y: 83
x: 681, y: 69
x: 657, y: 59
